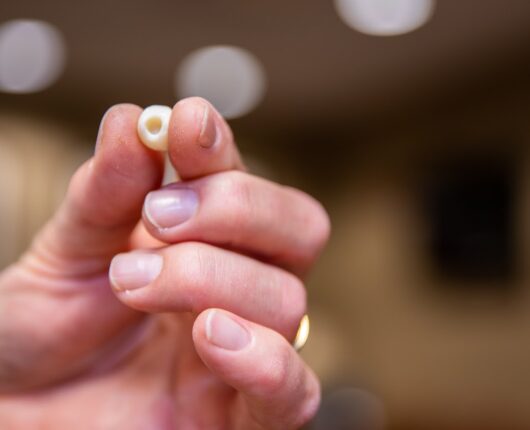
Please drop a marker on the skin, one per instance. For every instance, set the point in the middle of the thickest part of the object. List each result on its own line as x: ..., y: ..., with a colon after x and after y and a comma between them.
x: 78, y: 351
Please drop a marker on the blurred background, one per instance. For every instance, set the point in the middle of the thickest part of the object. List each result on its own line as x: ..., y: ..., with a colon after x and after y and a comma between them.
x: 408, y: 119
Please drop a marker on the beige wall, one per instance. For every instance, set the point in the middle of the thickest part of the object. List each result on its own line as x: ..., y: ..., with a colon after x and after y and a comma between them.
x: 438, y: 356
x: 36, y: 159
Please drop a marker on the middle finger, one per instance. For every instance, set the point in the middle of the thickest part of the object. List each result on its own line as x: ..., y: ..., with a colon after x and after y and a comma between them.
x: 238, y: 211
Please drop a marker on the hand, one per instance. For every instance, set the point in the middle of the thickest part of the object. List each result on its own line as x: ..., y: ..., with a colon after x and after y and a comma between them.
x: 191, y: 328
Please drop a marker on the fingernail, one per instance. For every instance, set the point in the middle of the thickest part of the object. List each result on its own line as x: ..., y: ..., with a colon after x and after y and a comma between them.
x: 226, y: 333
x: 171, y: 206
x: 134, y: 270
x: 208, y: 134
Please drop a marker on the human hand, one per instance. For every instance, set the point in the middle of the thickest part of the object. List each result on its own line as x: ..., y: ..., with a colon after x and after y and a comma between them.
x: 191, y: 328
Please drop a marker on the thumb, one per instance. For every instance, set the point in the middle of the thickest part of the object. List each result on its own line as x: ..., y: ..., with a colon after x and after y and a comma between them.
x: 104, y: 200
x: 58, y: 312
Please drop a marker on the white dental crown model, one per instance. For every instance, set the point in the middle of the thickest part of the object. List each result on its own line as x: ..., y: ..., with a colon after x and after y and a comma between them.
x: 153, y: 127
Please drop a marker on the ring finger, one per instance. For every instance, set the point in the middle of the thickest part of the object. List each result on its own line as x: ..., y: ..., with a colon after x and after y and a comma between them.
x: 192, y: 277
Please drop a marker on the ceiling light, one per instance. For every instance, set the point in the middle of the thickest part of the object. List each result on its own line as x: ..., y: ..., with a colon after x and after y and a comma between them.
x: 231, y: 78
x: 385, y: 17
x: 32, y: 55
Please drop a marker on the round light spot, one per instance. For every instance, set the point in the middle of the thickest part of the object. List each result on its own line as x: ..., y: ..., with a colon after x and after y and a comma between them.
x: 32, y: 55
x: 231, y: 78
x: 385, y: 17
x: 350, y: 408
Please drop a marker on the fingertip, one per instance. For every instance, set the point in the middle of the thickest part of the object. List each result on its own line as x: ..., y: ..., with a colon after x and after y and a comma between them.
x: 199, y: 326
x: 193, y: 122
x: 114, y: 119
x: 123, y: 170
x: 267, y: 371
x: 200, y: 141
x: 118, y: 136
x: 225, y: 343
x: 202, y: 331
x: 198, y: 332
x: 118, y: 151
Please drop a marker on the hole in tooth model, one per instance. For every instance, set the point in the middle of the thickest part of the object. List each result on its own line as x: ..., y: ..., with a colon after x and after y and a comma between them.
x: 154, y: 124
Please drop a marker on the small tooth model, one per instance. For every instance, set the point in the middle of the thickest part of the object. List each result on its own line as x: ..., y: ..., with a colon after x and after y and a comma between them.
x: 153, y: 127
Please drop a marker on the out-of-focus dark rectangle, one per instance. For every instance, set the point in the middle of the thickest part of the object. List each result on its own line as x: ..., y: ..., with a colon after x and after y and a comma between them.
x: 470, y: 214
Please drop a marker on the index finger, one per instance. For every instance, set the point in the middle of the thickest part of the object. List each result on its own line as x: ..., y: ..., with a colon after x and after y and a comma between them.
x: 200, y: 141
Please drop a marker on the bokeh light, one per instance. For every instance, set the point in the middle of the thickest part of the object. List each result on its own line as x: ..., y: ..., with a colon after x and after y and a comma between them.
x: 385, y: 17
x: 32, y: 56
x: 350, y: 408
x: 231, y: 78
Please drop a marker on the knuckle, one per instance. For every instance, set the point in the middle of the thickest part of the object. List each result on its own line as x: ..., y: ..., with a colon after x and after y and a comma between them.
x: 272, y: 380
x: 320, y: 225
x: 295, y: 302
x: 238, y: 186
x: 191, y: 272
x: 310, y: 405
x: 314, y: 220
